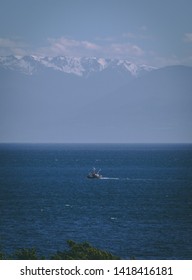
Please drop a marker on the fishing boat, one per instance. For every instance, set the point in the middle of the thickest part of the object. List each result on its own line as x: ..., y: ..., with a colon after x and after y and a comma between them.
x: 93, y: 174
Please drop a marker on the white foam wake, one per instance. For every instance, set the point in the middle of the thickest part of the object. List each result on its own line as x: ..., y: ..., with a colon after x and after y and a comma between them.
x: 109, y: 178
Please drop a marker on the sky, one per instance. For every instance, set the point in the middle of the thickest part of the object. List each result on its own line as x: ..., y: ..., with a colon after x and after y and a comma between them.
x: 152, y: 32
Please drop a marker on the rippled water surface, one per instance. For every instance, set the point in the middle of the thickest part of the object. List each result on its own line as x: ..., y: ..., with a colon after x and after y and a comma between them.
x: 142, y: 206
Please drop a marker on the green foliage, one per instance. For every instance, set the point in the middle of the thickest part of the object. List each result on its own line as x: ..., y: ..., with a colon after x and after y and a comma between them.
x: 21, y: 254
x: 25, y: 254
x: 2, y: 256
x: 83, y: 251
x: 77, y: 251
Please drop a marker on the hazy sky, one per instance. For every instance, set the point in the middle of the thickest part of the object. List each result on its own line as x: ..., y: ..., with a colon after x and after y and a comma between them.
x: 154, y: 32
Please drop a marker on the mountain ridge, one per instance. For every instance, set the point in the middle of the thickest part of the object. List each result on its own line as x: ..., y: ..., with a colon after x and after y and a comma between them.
x: 108, y: 106
x: 80, y: 66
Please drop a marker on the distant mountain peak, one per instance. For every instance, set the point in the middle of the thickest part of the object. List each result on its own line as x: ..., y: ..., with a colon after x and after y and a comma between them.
x: 80, y: 66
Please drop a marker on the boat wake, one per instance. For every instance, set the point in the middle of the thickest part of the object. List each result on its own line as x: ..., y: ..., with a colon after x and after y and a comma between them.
x: 125, y: 179
x: 109, y: 178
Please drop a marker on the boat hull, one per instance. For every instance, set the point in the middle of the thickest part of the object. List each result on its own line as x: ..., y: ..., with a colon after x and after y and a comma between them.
x: 94, y: 176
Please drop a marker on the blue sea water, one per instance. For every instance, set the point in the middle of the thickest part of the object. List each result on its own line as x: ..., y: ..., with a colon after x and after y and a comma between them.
x: 142, y: 207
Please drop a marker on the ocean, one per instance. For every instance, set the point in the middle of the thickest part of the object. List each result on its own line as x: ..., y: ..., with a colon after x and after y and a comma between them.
x: 141, y: 208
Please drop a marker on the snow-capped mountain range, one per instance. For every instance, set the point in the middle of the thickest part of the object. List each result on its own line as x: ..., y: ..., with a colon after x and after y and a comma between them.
x: 80, y: 66
x: 89, y: 100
